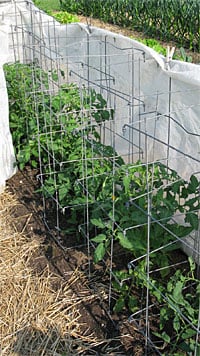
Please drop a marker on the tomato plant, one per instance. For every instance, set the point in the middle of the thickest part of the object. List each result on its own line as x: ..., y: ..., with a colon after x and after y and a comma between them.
x: 128, y: 225
x: 59, y: 132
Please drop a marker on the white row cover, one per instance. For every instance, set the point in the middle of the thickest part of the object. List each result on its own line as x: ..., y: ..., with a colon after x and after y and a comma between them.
x: 7, y: 157
x: 161, y: 88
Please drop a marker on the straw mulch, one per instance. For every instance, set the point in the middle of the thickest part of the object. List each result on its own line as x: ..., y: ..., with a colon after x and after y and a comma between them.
x: 39, y: 314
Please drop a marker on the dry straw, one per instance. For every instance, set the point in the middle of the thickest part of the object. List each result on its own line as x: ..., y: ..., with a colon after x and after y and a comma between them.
x: 39, y: 314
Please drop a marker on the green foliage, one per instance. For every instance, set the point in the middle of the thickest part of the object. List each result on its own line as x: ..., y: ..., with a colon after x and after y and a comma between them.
x: 62, y: 120
x: 180, y: 54
x: 154, y: 44
x: 131, y: 199
x: 178, y: 302
x: 55, y: 128
x: 124, y: 284
x: 181, y: 310
x: 135, y: 188
x: 167, y: 20
x: 65, y: 17
x: 52, y: 7
x: 22, y: 111
x: 184, y: 56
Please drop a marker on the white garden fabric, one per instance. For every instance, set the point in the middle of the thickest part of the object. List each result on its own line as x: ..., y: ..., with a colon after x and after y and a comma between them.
x: 7, y: 157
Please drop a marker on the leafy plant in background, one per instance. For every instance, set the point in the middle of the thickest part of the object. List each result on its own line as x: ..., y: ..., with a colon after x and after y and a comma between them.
x: 180, y: 53
x: 64, y: 17
x: 184, y: 56
x: 154, y: 44
x: 52, y: 8
x: 167, y: 20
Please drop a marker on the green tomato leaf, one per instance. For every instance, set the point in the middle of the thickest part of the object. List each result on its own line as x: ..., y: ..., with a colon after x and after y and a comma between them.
x: 177, y: 293
x: 192, y: 218
x: 184, y: 193
x: 198, y: 289
x: 99, y: 238
x: 180, y: 230
x: 126, y: 243
x: 126, y: 182
x: 176, y: 187
x: 119, y: 305
x: 192, y: 264
x: 188, y: 333
x: 96, y: 116
x: 99, y: 252
x: 138, y: 217
x: 193, y: 184
x: 98, y: 223
x: 176, y: 323
x: 62, y: 192
x: 164, y: 336
x: 105, y: 115
x: 187, y: 347
x: 34, y: 163
x: 133, y: 304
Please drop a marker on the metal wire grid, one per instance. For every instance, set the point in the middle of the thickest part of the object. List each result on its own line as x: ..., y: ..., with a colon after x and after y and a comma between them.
x: 129, y: 134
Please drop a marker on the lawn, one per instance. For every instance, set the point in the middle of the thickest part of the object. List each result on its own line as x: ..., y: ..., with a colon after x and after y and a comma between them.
x: 48, y: 5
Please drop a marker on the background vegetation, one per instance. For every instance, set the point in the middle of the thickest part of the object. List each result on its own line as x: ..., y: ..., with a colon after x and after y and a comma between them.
x: 177, y: 20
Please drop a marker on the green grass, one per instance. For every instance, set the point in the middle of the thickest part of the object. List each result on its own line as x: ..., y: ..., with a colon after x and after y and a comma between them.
x: 48, y: 5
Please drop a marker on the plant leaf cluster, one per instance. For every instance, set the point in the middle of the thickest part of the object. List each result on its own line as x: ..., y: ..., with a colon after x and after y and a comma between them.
x: 64, y: 17
x: 136, y: 187
x: 59, y: 131
x: 156, y: 46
